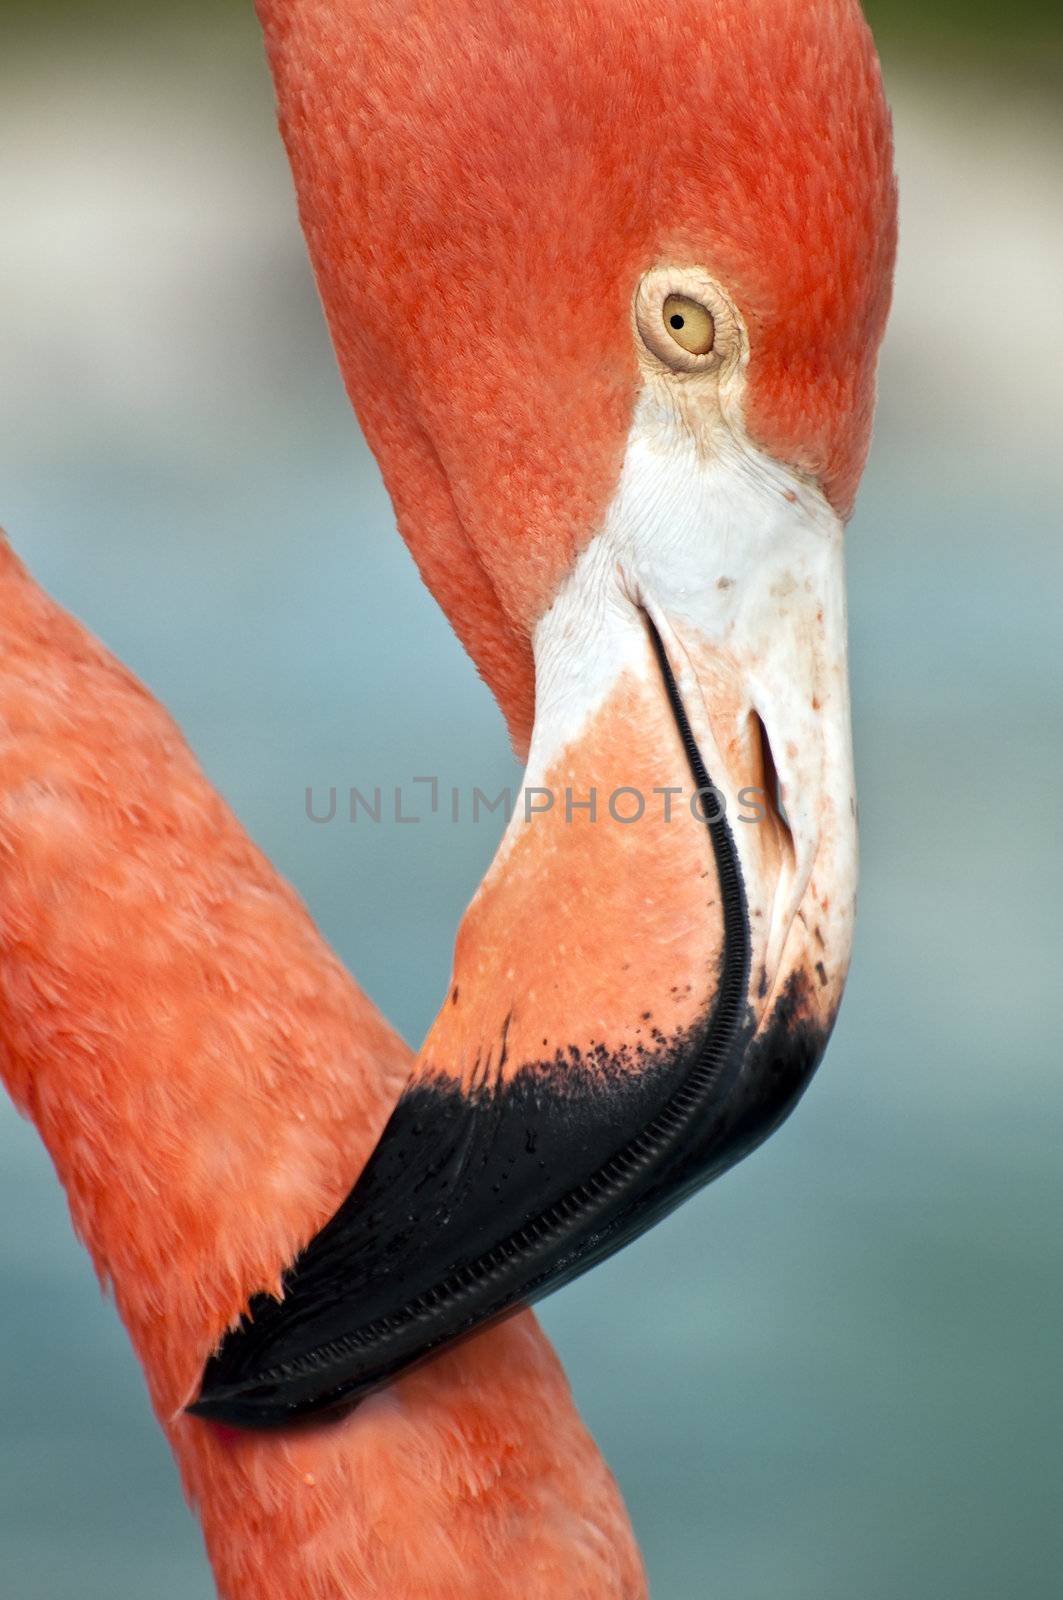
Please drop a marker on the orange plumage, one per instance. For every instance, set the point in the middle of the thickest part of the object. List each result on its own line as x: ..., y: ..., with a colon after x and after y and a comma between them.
x: 481, y: 185
x: 208, y: 1081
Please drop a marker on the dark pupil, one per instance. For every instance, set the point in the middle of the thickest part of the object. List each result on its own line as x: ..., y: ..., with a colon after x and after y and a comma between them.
x: 676, y: 320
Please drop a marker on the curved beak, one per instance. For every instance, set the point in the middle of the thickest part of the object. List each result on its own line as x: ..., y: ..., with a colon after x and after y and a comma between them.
x: 648, y: 975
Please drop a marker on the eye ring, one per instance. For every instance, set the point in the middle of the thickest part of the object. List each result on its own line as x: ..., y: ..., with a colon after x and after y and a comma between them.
x: 685, y: 320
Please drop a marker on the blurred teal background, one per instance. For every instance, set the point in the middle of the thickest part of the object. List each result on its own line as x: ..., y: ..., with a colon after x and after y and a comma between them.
x: 837, y: 1372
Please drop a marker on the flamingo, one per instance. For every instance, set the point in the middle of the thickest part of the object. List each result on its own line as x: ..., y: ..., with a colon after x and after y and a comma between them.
x: 607, y: 284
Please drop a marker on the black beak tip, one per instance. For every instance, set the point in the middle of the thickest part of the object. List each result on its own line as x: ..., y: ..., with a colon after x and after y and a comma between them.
x: 203, y: 1411
x: 216, y: 1407
x: 259, y: 1406
x: 233, y: 1407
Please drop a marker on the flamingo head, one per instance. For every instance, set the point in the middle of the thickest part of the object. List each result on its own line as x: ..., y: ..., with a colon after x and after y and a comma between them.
x: 607, y: 283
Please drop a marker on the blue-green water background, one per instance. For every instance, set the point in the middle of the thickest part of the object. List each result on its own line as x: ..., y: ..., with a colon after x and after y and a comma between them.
x: 837, y: 1372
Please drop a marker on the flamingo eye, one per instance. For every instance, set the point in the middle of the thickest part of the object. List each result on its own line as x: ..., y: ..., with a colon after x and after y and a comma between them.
x: 689, y: 324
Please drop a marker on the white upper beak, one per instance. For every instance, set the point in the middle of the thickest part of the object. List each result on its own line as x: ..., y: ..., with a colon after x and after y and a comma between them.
x: 739, y: 564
